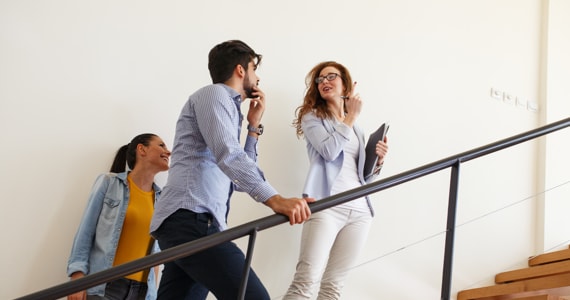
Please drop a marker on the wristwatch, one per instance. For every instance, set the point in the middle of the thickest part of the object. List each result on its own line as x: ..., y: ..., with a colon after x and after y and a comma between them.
x: 258, y: 129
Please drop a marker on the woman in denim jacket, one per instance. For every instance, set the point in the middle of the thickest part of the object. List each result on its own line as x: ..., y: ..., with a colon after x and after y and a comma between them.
x: 332, y: 239
x: 115, y: 225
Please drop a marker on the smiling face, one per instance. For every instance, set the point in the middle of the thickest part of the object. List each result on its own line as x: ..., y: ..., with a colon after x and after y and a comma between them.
x: 333, y: 89
x: 156, y: 153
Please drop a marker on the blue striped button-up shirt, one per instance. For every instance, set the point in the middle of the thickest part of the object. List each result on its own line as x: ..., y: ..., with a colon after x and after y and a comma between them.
x: 207, y: 161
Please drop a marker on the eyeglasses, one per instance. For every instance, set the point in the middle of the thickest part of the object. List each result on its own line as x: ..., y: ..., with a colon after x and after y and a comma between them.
x: 329, y: 77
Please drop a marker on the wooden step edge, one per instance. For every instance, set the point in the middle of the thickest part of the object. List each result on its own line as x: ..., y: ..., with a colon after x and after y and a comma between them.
x: 533, y: 272
x: 541, y: 297
x: 549, y: 257
x: 553, y: 294
x: 558, y: 284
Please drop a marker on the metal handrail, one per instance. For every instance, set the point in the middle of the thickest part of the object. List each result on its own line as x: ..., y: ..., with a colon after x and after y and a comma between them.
x: 251, y: 228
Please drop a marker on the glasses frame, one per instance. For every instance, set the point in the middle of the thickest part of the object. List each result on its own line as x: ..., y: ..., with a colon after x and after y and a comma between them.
x: 329, y: 77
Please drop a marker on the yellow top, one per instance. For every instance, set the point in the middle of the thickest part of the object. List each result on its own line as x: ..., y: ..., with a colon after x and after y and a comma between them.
x: 135, y: 240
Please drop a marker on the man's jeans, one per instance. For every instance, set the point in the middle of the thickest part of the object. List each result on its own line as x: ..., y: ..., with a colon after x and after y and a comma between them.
x: 218, y: 269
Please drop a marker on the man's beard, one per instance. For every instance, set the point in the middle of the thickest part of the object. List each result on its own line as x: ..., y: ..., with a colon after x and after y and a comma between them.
x: 248, y: 87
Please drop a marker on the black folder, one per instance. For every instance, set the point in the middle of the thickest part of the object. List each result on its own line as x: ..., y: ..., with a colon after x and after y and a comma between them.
x: 371, y: 158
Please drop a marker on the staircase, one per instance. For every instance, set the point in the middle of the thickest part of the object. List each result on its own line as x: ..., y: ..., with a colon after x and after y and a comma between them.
x: 546, y: 278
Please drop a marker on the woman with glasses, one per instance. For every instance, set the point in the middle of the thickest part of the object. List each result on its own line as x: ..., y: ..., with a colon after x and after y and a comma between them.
x: 332, y: 239
x: 115, y: 225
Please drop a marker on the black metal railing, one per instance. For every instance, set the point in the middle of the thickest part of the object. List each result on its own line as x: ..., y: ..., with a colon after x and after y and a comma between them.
x: 250, y: 229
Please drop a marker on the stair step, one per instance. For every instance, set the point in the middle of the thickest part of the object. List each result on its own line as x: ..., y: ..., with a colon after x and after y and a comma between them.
x: 541, y: 297
x: 534, y: 272
x: 549, y: 257
x: 546, y: 278
x: 552, y: 285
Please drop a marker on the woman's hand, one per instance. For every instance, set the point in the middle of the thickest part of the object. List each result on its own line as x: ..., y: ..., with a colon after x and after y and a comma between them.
x: 82, y: 295
x: 353, y: 106
x: 382, y: 150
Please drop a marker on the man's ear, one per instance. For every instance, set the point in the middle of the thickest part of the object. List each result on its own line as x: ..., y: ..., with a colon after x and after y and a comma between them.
x: 240, y: 70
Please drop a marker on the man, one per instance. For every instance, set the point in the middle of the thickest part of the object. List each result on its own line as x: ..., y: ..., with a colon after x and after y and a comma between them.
x: 207, y: 164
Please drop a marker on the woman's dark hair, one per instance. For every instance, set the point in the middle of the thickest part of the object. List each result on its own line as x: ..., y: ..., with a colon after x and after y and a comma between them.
x: 127, y: 154
x: 224, y: 57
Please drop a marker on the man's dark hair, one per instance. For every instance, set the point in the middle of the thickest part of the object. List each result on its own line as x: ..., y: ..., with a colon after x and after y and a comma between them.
x: 224, y: 57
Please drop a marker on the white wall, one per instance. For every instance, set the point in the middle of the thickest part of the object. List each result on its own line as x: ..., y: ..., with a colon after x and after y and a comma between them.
x: 80, y: 78
x: 556, y: 204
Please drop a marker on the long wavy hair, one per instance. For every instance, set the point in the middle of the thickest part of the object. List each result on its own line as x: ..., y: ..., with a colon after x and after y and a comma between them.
x: 313, y: 102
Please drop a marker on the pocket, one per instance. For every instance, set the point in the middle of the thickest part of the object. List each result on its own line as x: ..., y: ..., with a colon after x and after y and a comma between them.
x: 110, y: 210
x: 111, y: 203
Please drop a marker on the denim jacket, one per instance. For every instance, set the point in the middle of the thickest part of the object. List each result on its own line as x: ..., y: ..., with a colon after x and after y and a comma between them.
x: 325, y: 143
x: 97, y: 237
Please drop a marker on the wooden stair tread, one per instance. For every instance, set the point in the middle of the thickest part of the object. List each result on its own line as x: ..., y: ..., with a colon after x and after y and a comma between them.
x: 553, y: 285
x: 541, y: 297
x: 549, y: 257
x: 534, y: 272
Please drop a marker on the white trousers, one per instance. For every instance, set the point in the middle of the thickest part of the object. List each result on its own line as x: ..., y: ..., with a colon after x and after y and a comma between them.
x: 330, y: 244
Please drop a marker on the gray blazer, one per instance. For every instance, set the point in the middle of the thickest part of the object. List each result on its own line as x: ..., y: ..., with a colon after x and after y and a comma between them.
x: 325, y: 143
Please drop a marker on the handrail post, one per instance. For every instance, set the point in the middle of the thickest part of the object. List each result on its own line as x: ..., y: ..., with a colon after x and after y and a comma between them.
x: 247, y: 265
x: 450, y: 232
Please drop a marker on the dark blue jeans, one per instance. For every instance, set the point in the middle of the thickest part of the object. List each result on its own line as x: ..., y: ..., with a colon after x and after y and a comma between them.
x: 123, y: 289
x: 218, y: 269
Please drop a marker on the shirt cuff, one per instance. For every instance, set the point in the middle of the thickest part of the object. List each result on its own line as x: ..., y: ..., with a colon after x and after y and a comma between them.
x: 250, y: 145
x: 263, y: 192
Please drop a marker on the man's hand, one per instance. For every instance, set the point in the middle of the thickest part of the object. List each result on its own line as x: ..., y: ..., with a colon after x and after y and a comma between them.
x: 297, y: 209
x: 256, y: 107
